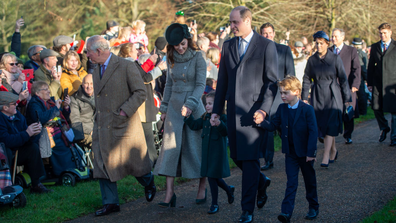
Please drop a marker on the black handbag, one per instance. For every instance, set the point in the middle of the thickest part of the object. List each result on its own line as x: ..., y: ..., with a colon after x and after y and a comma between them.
x: 349, y: 113
x: 78, y: 131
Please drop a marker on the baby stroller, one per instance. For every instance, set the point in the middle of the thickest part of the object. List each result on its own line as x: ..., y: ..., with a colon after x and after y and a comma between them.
x: 65, y: 164
x: 9, y: 195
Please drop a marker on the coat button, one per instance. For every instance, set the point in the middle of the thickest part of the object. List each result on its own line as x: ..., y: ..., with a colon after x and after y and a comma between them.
x: 99, y: 127
x: 285, y: 136
x: 184, y: 81
x: 287, y: 126
x: 108, y: 126
x: 98, y: 112
x: 105, y: 95
x: 98, y: 95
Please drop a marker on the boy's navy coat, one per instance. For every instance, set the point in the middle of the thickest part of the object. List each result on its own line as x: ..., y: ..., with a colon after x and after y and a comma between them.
x: 305, y: 130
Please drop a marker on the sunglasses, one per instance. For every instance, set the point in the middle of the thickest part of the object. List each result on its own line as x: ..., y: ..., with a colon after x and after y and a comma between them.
x: 13, y: 64
x: 37, y: 52
x: 180, y: 13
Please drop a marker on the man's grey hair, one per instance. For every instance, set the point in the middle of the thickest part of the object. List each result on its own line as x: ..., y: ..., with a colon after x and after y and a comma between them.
x: 143, y: 58
x: 32, y: 50
x: 342, y: 32
x: 202, y: 40
x: 98, y: 42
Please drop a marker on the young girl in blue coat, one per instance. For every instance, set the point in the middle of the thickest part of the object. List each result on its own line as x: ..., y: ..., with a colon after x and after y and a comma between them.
x: 214, y: 152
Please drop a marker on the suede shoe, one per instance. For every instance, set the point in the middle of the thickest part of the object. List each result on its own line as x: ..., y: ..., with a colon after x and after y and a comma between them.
x: 107, y: 209
x: 262, y: 193
x: 312, y: 214
x: 40, y: 189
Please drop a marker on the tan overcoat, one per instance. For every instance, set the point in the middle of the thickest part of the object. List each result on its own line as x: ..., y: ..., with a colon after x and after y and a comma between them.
x: 118, y: 142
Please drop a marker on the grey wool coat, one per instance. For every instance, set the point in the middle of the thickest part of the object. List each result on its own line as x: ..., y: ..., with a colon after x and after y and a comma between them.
x: 185, y: 84
x: 118, y: 142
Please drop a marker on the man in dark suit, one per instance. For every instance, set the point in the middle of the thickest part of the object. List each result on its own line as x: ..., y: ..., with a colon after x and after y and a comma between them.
x: 351, y: 62
x: 381, y: 80
x: 361, y: 94
x: 285, y: 67
x: 247, y: 76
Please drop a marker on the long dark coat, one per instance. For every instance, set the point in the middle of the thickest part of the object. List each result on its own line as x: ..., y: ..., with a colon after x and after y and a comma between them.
x: 118, y: 142
x: 381, y: 75
x: 214, y: 146
x: 350, y: 60
x: 330, y: 90
x: 247, y: 85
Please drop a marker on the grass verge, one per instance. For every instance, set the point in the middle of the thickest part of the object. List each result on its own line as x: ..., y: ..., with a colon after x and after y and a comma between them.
x: 385, y: 215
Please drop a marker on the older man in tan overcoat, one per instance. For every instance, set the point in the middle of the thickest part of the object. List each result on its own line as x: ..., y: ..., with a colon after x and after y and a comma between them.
x: 118, y: 140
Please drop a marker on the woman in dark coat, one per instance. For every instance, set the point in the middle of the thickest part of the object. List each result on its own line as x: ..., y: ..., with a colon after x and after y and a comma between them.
x: 47, y: 110
x: 330, y: 90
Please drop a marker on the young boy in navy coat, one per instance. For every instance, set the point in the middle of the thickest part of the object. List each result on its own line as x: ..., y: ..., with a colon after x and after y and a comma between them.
x: 299, y: 135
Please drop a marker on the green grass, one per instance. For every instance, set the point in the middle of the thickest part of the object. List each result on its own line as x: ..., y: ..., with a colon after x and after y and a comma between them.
x: 386, y: 215
x: 67, y: 203
x: 370, y: 115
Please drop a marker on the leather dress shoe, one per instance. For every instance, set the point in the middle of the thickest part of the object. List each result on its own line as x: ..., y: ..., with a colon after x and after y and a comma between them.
x: 348, y: 141
x: 107, y: 209
x: 312, y: 214
x: 149, y: 191
x: 213, y: 209
x: 393, y: 143
x: 231, y: 194
x: 268, y: 166
x: 383, y: 134
x: 285, y: 218
x: 246, y: 217
x: 262, y: 193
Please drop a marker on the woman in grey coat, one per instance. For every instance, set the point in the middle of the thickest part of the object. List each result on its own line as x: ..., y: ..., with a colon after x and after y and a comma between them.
x: 180, y: 154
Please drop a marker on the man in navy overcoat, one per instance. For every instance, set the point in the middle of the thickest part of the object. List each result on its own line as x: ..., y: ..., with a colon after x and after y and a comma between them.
x: 247, y: 76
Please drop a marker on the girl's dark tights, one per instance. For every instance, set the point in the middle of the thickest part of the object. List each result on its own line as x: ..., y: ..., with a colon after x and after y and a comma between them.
x: 214, y: 183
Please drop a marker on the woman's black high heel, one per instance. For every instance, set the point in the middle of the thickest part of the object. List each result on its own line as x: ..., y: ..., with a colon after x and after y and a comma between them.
x: 172, y: 202
x: 201, y: 201
x: 335, y: 158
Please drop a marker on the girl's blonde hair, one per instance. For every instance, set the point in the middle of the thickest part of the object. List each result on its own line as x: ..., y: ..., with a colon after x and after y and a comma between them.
x: 214, y: 55
x: 138, y: 24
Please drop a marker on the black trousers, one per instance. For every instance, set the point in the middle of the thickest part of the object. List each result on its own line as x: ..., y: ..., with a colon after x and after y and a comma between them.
x: 293, y: 165
x: 269, y: 148
x: 362, y: 99
x: 252, y: 180
x: 29, y: 156
x: 349, y: 126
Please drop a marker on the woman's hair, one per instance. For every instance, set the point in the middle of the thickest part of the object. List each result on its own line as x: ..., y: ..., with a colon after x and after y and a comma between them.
x: 290, y: 83
x: 170, y: 49
x: 125, y: 50
x: 214, y: 55
x: 320, y: 38
x: 212, y: 36
x: 37, y: 85
x: 68, y: 55
x: 5, y: 58
x: 138, y: 24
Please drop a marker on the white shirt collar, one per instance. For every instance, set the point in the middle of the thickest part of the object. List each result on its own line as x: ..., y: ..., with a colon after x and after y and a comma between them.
x: 107, y: 61
x: 295, y: 106
x: 339, y: 47
x: 248, y: 38
x: 387, y: 43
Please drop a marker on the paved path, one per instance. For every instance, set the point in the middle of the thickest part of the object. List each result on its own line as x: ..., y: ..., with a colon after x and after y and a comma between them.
x: 361, y: 182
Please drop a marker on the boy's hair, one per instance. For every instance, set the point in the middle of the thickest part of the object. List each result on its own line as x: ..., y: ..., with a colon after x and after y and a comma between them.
x: 290, y: 83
